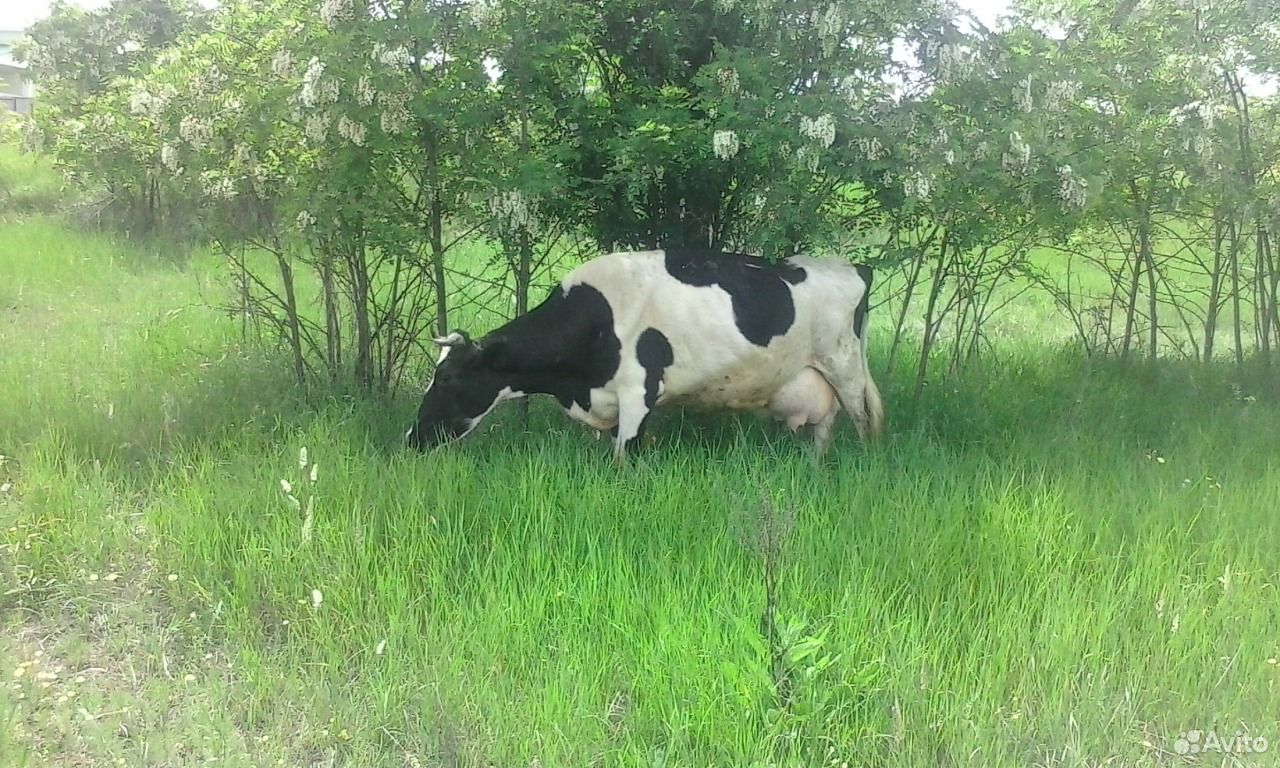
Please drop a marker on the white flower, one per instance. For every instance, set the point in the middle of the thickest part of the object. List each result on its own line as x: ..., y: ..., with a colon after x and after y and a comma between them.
x: 395, y: 115
x: 871, y: 148
x: 332, y: 12
x: 217, y: 185
x: 351, y: 131
x: 917, y: 185
x: 831, y: 29
x: 728, y: 79
x: 1022, y: 95
x: 208, y: 81
x: 1072, y: 189
x: 316, y: 89
x: 282, y: 64
x: 821, y: 129
x: 511, y: 210
x: 1060, y: 93
x: 724, y: 144
x: 169, y: 159
x: 195, y: 132
x: 243, y: 156
x: 365, y: 92
x: 141, y: 103
x: 810, y: 157
x: 398, y: 57
x: 317, y: 127
x: 1018, y: 158
x: 486, y: 13
x: 1206, y: 113
x: 949, y: 157
x: 952, y: 63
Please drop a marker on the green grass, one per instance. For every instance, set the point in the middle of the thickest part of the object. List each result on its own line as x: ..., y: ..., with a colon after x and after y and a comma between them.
x: 1043, y: 564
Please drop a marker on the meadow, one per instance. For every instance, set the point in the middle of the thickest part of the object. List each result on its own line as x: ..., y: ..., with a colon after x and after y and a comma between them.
x: 1046, y: 562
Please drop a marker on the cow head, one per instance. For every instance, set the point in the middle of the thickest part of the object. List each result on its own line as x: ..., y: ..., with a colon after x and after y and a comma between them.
x: 466, y: 386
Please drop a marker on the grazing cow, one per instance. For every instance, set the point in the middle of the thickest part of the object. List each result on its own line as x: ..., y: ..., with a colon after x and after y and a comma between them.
x: 629, y: 331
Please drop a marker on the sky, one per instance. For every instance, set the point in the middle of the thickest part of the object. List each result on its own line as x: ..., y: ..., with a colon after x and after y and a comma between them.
x: 17, y: 14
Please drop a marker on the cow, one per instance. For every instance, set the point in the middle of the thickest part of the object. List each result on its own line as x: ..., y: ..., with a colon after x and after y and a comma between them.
x: 627, y: 332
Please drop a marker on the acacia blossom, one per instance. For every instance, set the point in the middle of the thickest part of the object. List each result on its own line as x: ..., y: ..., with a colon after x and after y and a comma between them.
x: 728, y: 79
x: 195, y: 132
x: 282, y: 64
x: 397, y: 57
x: 333, y: 12
x: 1072, y: 189
x: 169, y: 159
x: 317, y: 90
x: 512, y: 210
x: 351, y: 130
x: 821, y: 129
x: 724, y: 144
x: 871, y: 148
x: 395, y: 115
x: 365, y: 92
x: 317, y: 127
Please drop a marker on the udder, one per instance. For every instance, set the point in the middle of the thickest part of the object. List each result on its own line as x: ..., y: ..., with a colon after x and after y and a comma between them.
x: 803, y: 401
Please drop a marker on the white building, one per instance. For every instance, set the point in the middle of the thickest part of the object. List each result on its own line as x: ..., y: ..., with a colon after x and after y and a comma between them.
x: 17, y: 92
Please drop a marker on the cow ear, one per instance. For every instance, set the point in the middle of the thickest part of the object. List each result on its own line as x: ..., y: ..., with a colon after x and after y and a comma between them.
x: 454, y: 339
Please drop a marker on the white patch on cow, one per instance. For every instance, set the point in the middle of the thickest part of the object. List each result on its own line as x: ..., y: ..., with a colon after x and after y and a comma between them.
x: 603, y: 414
x: 444, y: 352
x: 507, y: 393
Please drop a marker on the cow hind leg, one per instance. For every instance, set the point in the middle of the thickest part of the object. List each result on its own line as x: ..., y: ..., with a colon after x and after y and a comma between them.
x: 822, y: 431
x: 855, y: 389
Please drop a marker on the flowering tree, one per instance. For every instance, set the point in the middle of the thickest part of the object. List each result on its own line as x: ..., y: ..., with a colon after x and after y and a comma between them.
x: 339, y: 153
x: 86, y: 64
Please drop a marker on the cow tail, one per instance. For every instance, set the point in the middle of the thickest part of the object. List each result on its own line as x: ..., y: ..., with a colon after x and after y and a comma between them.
x: 871, y: 393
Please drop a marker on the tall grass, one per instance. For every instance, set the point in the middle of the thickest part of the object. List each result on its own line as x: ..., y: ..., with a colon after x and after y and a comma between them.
x: 1045, y: 563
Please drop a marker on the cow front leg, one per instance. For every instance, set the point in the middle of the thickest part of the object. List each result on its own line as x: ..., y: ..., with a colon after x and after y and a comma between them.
x: 632, y: 415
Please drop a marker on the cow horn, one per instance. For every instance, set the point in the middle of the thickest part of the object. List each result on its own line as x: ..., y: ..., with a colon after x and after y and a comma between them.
x: 453, y: 339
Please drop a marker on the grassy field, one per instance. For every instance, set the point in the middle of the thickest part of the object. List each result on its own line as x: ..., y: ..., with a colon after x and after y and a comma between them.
x: 1044, y: 563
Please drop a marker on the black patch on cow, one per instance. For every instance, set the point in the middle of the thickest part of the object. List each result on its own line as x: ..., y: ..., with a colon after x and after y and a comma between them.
x: 564, y: 347
x: 655, y: 354
x: 864, y: 305
x: 760, y: 291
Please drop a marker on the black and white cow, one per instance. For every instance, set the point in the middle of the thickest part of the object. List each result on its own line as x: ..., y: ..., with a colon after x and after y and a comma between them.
x: 629, y: 331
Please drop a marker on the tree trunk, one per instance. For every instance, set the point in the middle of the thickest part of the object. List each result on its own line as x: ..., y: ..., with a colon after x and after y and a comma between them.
x: 332, y: 328
x: 1215, y: 289
x: 930, y: 331
x: 291, y: 317
x: 913, y: 280
x: 1153, y: 303
x: 1237, y: 332
x: 360, y: 307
